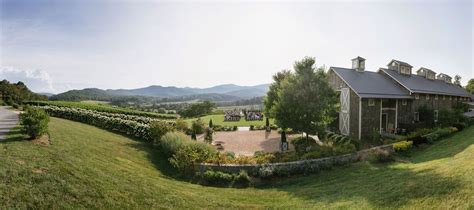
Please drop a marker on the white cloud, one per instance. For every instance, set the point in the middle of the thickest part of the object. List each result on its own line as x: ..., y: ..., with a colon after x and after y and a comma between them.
x: 37, y: 80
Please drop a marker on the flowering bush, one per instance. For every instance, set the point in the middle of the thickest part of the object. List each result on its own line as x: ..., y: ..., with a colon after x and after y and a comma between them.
x: 115, y: 122
x: 34, y: 122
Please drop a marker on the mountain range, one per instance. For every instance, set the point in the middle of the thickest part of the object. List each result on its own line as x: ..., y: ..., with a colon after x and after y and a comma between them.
x: 226, y: 92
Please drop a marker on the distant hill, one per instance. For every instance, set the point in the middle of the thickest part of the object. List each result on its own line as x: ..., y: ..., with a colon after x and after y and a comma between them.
x: 226, y: 92
x: 168, y: 92
x: 84, y: 94
x: 17, y: 93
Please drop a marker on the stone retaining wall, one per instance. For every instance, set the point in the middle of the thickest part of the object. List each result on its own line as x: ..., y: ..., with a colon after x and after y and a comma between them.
x: 296, y: 166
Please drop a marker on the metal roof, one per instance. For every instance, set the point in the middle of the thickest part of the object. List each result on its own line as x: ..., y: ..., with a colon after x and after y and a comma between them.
x: 419, y: 84
x: 368, y: 84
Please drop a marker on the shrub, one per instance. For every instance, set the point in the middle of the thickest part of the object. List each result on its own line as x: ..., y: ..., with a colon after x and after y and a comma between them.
x: 381, y: 156
x: 210, y: 123
x: 198, y: 126
x: 252, y: 127
x: 265, y: 171
x: 159, y: 128
x: 235, y: 128
x: 242, y: 179
x: 171, y: 142
x: 432, y: 137
x: 459, y: 125
x: 181, y: 125
x: 218, y: 178
x: 402, y: 146
x: 303, y: 144
x: 161, y: 111
x: 189, y: 154
x: 15, y: 106
x: 343, y: 149
x: 34, y: 121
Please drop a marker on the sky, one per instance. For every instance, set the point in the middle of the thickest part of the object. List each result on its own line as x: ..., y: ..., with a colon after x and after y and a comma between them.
x: 57, y: 45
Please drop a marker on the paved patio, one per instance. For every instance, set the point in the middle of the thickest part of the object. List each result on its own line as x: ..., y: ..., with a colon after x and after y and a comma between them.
x: 248, y: 142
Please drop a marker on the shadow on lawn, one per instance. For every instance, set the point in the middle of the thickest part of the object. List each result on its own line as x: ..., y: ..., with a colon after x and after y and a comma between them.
x: 14, y: 135
x: 156, y: 157
x: 383, y: 186
x: 445, y: 148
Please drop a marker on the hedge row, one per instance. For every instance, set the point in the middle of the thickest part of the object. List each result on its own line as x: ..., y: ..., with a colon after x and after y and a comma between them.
x: 102, y: 120
x: 102, y: 108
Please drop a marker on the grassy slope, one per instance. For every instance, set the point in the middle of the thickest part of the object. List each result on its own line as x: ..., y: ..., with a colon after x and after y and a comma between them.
x: 218, y: 119
x: 88, y: 167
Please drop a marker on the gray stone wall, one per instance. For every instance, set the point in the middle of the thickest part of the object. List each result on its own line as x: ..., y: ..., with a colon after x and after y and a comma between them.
x: 320, y: 163
x: 405, y: 113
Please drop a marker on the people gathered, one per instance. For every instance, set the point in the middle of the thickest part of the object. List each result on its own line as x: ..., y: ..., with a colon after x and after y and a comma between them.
x: 253, y: 115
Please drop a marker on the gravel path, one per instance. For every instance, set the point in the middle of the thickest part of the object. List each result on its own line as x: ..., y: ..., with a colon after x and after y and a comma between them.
x: 8, y: 120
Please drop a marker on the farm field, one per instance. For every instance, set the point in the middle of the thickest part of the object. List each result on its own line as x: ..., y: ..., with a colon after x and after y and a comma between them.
x: 218, y: 119
x: 87, y: 167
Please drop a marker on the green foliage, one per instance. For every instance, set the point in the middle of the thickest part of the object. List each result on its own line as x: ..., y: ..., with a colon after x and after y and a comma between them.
x: 197, y: 109
x: 303, y: 144
x: 208, y: 132
x: 217, y: 178
x: 402, y: 146
x: 35, y: 122
x: 17, y: 93
x: 210, y: 123
x: 158, y: 129
x: 470, y: 86
x: 198, y: 126
x: 188, y: 155
x: 426, y: 115
x: 380, y: 156
x: 303, y: 100
x: 181, y: 125
x: 171, y: 142
x: 102, y: 108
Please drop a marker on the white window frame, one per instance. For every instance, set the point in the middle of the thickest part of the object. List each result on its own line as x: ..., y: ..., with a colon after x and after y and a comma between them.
x: 436, y: 114
x: 444, y: 97
x: 417, y: 96
x: 436, y: 97
x: 427, y: 96
x: 416, y: 117
x: 404, y: 102
x: 371, y: 102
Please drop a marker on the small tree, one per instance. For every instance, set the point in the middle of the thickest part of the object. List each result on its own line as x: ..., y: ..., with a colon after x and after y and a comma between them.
x: 198, y: 126
x: 210, y: 123
x: 208, y: 135
x: 457, y: 80
x: 193, y: 136
x: 35, y: 122
x: 267, y: 125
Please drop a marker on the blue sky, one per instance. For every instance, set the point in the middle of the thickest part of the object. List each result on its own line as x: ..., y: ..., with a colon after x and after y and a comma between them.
x: 59, y: 45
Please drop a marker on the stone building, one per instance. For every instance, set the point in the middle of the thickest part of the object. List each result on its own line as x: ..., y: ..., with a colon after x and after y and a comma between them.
x: 388, y: 100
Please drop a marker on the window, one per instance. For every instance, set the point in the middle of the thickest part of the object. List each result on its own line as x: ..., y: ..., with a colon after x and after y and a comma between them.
x: 404, y: 102
x: 450, y: 98
x: 436, y: 97
x: 417, y: 96
x: 371, y: 102
x: 427, y: 97
x: 436, y: 115
x: 416, y: 117
x: 444, y: 97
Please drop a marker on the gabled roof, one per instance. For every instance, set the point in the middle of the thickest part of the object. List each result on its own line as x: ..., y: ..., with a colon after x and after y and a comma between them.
x: 426, y: 69
x: 368, y: 84
x: 400, y: 62
x: 419, y: 84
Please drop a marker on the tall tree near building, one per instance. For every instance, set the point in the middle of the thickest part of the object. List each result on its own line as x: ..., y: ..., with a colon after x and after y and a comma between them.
x: 470, y: 86
x: 457, y: 80
x: 303, y: 100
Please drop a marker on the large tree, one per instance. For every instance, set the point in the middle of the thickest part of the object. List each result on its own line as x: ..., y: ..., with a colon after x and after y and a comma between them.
x: 470, y: 86
x: 302, y: 100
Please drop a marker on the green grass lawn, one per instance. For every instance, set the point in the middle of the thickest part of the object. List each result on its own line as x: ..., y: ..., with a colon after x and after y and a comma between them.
x: 87, y: 167
x: 218, y: 119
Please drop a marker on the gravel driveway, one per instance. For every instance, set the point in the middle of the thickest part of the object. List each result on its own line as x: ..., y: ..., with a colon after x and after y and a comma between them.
x: 8, y: 120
